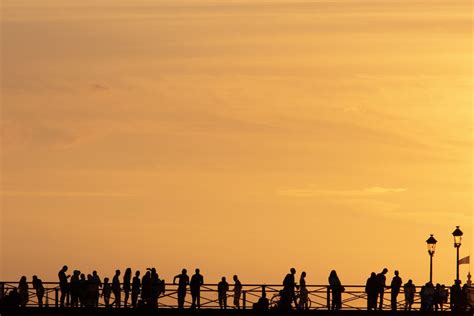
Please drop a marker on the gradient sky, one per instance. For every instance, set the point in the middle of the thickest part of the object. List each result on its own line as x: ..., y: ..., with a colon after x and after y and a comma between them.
x: 236, y: 136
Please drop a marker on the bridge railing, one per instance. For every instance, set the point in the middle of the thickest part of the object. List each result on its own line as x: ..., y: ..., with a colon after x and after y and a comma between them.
x: 319, y: 296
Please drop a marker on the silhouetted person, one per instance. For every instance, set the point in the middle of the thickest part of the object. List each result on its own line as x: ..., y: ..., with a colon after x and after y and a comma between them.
x: 162, y: 287
x: 456, y: 293
x: 63, y: 284
x: 82, y: 289
x: 136, y: 284
x: 371, y: 288
x: 39, y: 289
x: 74, y: 288
x: 23, y: 291
x: 12, y: 300
x: 336, y: 289
x: 155, y: 287
x: 288, y: 294
x: 146, y: 288
x: 427, y: 297
x: 237, y: 291
x: 92, y: 288
x: 116, y: 290
x: 381, y: 279
x: 106, y: 291
x: 183, y: 281
x: 98, y: 282
x: 395, y: 290
x: 303, y: 303
x: 222, y: 288
x: 195, y: 286
x: 127, y: 277
x: 410, y: 290
x: 262, y: 303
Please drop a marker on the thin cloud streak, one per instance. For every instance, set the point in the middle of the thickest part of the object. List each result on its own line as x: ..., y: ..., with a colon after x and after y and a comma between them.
x: 350, y: 193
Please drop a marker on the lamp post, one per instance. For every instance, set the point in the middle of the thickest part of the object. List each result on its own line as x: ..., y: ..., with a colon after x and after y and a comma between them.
x: 431, y: 243
x: 457, y: 234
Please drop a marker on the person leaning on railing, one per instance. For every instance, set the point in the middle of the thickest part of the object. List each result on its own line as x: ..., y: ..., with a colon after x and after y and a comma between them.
x: 39, y: 288
x: 237, y: 291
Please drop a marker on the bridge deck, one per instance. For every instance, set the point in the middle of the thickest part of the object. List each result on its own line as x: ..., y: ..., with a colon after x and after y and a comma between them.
x: 32, y: 311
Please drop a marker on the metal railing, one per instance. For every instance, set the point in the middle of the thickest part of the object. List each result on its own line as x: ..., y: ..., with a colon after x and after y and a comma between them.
x: 319, y: 296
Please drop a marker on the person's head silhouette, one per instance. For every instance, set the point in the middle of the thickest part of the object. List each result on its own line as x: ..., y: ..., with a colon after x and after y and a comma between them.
x: 223, y: 279
x: 197, y: 271
x: 94, y: 273
x: 292, y: 270
x: 373, y: 275
x: 64, y: 269
x: 137, y: 273
x: 184, y: 271
x: 384, y: 271
x: 303, y: 274
x: 117, y: 272
x: 396, y: 272
x: 235, y: 278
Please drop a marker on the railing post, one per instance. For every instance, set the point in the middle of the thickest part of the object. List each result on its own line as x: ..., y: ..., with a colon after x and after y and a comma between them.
x: 244, y: 299
x: 56, y: 297
x: 2, y: 290
x: 328, y: 297
x: 46, y: 303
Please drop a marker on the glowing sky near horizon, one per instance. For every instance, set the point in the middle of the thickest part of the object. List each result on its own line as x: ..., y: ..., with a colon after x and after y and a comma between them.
x: 239, y: 137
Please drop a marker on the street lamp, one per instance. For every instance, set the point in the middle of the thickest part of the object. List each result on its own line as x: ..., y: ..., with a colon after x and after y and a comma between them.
x: 457, y: 234
x: 431, y: 243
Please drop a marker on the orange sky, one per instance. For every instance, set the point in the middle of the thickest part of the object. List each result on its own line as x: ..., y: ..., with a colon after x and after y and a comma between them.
x: 240, y: 137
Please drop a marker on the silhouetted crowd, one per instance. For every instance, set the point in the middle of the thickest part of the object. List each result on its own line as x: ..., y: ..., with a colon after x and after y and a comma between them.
x: 432, y: 297
x: 81, y: 290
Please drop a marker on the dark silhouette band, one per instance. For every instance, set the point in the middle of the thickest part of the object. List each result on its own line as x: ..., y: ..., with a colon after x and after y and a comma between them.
x: 81, y: 290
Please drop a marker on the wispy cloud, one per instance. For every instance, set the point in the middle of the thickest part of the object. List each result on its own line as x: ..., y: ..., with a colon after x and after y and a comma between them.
x: 310, y: 191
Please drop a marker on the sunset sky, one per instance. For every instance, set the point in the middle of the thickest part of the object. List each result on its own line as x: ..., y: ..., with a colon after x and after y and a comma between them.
x: 236, y: 136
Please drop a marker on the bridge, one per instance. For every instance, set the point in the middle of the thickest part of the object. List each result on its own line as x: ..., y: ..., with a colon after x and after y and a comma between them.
x: 354, y: 299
